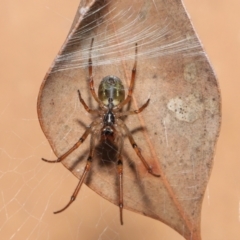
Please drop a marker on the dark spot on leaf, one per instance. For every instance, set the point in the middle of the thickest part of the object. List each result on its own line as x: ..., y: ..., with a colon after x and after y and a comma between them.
x: 154, y: 76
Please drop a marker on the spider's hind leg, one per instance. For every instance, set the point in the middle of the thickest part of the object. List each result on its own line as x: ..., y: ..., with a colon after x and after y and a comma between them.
x: 90, y: 73
x: 122, y: 114
x: 133, y: 77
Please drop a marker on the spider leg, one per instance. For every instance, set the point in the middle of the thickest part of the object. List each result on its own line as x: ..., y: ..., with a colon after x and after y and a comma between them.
x: 120, y: 177
x: 76, y: 145
x: 85, y: 172
x: 91, y: 82
x: 130, y: 90
x: 85, y: 105
x: 120, y: 174
x: 136, y: 148
x: 121, y: 114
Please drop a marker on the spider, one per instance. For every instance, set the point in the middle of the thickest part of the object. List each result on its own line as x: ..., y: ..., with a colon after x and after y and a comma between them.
x: 108, y: 126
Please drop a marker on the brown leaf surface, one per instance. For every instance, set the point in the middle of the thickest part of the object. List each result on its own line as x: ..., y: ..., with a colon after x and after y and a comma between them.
x: 177, y: 132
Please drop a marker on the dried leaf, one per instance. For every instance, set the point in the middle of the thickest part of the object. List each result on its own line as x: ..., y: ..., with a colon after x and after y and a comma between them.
x: 177, y: 132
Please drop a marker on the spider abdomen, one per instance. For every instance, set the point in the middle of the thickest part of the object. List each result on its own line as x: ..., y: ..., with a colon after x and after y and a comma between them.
x: 111, y: 87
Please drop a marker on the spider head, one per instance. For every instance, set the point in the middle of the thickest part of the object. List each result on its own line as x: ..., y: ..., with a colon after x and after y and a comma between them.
x: 107, y: 134
x: 111, y: 87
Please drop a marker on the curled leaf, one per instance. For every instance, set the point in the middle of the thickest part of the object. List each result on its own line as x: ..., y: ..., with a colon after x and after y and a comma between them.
x: 177, y: 132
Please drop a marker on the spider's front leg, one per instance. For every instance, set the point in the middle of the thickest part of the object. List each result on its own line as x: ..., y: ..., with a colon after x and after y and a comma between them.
x: 77, y: 144
x: 85, y: 172
x: 120, y: 177
x: 136, y: 148
x: 120, y: 172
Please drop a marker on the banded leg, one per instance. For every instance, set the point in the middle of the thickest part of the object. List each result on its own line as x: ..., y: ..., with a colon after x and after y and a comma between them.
x: 120, y: 175
x: 121, y: 114
x: 91, y: 82
x: 130, y: 90
x: 120, y: 193
x: 76, y: 145
x: 86, y: 170
x: 120, y: 170
x: 137, y: 149
x: 85, y: 105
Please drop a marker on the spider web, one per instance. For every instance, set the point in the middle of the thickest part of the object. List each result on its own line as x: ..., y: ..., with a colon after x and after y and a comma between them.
x: 30, y: 189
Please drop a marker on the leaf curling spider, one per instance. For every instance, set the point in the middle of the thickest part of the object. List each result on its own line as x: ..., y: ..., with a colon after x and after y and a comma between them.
x: 111, y: 99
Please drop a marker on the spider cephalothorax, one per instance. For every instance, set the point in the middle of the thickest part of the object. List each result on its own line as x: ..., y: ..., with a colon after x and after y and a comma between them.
x: 109, y: 126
